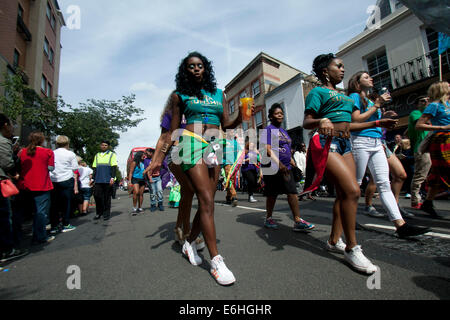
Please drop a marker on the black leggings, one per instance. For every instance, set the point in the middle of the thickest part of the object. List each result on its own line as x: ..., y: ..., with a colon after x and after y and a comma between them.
x: 251, y: 178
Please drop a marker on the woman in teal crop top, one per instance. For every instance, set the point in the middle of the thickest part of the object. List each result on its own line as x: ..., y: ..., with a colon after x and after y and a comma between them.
x: 329, y: 111
x: 197, y: 97
x: 208, y: 110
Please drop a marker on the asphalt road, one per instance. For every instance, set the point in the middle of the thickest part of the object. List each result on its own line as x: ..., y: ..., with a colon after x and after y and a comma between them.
x: 136, y: 257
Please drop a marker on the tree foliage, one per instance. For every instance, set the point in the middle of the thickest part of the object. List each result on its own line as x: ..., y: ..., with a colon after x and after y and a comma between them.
x: 96, y: 120
x: 86, y: 125
x: 22, y: 104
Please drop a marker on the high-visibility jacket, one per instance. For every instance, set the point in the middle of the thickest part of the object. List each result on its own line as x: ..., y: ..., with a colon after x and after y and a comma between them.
x: 104, y: 166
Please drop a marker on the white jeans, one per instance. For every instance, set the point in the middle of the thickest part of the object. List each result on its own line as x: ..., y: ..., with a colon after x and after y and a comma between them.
x: 370, y: 152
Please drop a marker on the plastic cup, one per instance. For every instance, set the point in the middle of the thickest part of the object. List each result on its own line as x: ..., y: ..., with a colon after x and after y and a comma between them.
x: 246, y: 108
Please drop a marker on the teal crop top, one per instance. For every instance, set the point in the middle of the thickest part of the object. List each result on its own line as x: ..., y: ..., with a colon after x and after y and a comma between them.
x: 206, y: 111
x: 327, y: 103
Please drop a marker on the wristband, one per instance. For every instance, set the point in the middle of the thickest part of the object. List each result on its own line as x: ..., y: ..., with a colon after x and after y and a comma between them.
x: 165, y: 148
x: 377, y: 123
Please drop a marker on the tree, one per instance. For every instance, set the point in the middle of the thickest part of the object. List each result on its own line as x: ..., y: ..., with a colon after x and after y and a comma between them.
x: 97, y: 120
x: 23, y: 105
x: 86, y: 125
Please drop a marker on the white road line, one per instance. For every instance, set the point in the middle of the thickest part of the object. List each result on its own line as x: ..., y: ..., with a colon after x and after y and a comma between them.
x: 434, y: 234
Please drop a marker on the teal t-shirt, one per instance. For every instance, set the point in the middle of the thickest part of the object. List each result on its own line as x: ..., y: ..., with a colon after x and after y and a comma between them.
x: 371, y: 132
x: 331, y: 104
x: 138, y: 172
x: 206, y: 111
x: 440, y: 113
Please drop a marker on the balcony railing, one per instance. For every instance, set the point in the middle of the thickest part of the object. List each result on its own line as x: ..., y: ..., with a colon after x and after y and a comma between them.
x: 420, y: 68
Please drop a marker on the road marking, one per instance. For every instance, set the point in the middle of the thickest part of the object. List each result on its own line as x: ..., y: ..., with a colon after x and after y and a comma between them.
x: 434, y: 234
x: 242, y: 207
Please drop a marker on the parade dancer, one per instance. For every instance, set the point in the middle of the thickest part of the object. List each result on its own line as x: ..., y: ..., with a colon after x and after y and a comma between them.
x: 283, y: 181
x: 368, y: 150
x: 329, y: 111
x: 201, y: 102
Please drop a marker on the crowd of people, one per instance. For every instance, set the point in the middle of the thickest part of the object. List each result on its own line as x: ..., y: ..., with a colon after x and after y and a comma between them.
x: 51, y: 187
x: 198, y: 144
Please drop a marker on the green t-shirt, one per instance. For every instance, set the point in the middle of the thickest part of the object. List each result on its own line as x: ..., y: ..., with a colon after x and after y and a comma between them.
x: 206, y: 111
x: 415, y: 136
x: 331, y: 104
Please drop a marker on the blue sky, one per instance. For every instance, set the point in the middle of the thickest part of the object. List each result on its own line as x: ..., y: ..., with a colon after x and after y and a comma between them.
x: 135, y: 46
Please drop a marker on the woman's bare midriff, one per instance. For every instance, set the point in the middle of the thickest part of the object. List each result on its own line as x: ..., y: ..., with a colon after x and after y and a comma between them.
x: 343, y: 127
x: 201, y: 128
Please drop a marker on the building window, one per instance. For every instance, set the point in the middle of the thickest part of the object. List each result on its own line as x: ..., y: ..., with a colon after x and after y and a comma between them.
x: 432, y: 38
x: 46, y: 46
x: 255, y: 88
x: 49, y: 90
x: 378, y: 68
x: 259, y: 118
x: 44, y: 84
x: 231, y: 106
x: 51, y: 56
x: 243, y: 94
x: 433, y: 45
x: 385, y: 8
x: 16, y: 58
x: 20, y: 12
x: 49, y: 11
x: 53, y: 22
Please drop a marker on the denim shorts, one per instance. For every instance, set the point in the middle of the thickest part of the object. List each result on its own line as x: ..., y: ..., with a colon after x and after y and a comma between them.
x: 86, y: 193
x: 339, y: 145
x: 140, y: 182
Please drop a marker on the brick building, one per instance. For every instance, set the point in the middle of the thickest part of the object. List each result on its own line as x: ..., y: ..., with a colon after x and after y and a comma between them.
x: 30, y: 33
x: 260, y: 76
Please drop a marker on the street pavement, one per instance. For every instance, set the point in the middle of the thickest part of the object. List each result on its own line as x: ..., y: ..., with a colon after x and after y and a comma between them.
x: 136, y: 257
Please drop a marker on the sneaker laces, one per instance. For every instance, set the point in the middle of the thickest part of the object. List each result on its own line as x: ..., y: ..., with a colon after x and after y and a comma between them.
x: 357, y: 251
x: 218, y: 260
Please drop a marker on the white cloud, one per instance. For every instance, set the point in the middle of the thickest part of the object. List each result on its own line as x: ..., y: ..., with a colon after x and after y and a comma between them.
x: 143, y: 86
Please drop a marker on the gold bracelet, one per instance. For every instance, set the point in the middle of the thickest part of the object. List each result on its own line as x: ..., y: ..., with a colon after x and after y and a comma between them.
x: 323, y: 119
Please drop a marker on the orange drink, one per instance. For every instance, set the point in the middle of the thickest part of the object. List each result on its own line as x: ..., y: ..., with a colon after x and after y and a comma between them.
x: 246, y: 108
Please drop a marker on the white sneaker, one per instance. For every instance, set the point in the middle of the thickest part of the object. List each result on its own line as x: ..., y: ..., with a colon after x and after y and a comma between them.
x: 140, y: 210
x: 358, y: 261
x: 190, y: 251
x: 220, y: 272
x: 251, y: 199
x: 339, y: 247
